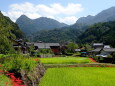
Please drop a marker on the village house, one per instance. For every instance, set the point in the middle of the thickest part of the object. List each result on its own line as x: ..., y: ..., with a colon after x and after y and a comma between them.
x: 20, y: 46
x: 55, y: 47
x: 23, y: 47
x: 102, y: 50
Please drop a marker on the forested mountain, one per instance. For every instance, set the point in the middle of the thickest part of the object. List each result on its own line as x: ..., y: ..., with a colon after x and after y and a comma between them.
x: 11, y: 27
x: 57, y: 35
x: 104, y: 16
x: 8, y: 30
x: 44, y: 29
x: 29, y: 26
x: 101, y: 32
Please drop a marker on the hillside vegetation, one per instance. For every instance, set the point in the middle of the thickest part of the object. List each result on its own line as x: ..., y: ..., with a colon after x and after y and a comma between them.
x: 8, y: 30
x: 101, y: 32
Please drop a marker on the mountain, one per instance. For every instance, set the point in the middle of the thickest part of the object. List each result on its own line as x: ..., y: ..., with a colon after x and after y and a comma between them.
x: 8, y: 30
x: 7, y: 25
x: 29, y: 26
x: 104, y: 16
x: 57, y: 35
x: 64, y: 34
x: 100, y: 32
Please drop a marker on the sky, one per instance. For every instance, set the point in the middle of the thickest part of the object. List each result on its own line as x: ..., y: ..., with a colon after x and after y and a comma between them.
x: 66, y: 11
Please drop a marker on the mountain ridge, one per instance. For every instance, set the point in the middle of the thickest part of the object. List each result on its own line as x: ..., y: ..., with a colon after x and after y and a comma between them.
x: 103, y: 16
x: 33, y: 25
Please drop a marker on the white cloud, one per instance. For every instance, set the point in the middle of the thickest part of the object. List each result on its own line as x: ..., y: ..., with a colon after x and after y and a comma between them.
x: 68, y: 20
x: 51, y: 11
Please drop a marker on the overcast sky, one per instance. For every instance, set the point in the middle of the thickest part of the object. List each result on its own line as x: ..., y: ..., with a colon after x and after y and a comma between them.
x: 66, y: 11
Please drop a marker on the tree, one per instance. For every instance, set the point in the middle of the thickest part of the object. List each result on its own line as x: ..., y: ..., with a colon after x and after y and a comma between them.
x: 71, y: 47
x: 5, y: 45
x: 8, y: 30
x: 88, y: 47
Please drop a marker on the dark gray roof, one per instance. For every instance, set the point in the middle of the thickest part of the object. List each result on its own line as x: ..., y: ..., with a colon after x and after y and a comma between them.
x: 109, y: 49
x: 46, y: 45
x: 98, y: 44
x: 29, y: 43
x: 104, y: 49
x: 96, y: 50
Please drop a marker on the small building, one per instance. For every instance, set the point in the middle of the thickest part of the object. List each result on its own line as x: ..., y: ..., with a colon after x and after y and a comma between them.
x: 20, y: 46
x: 77, y: 50
x: 105, y: 52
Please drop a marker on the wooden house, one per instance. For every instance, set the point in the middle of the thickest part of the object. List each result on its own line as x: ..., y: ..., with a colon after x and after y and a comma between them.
x: 103, y: 52
x: 55, y: 47
x: 20, y: 46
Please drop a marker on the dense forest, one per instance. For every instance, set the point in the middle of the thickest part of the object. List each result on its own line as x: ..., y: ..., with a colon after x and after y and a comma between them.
x: 100, y: 32
x: 57, y: 35
x: 8, y: 30
x: 64, y: 34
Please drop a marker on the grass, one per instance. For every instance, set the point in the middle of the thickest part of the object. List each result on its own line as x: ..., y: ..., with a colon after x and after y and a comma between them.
x: 4, y: 80
x: 19, y: 63
x: 64, y: 60
x: 81, y: 76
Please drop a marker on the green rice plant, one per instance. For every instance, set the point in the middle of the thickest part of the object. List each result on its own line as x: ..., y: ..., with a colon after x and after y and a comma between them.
x: 64, y: 60
x: 80, y: 76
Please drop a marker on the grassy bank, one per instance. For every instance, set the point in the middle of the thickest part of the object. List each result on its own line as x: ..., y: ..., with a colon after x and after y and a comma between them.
x: 80, y: 76
x: 4, y: 80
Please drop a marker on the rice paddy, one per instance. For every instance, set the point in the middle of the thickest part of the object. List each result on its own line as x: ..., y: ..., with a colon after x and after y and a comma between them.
x: 80, y: 76
x: 65, y: 60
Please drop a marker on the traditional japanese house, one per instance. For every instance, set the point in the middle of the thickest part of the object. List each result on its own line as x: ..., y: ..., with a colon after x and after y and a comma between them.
x: 55, y: 47
x: 20, y: 46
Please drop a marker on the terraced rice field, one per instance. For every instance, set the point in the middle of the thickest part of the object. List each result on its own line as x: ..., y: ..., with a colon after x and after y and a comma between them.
x: 79, y: 76
x: 65, y: 60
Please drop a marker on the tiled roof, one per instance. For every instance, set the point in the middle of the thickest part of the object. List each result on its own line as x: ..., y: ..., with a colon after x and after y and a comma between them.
x: 46, y: 45
x: 96, y: 44
x: 96, y: 50
x: 109, y: 49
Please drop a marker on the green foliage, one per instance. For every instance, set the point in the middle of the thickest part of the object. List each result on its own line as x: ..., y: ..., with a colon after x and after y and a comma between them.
x: 5, y: 81
x: 71, y: 47
x: 5, y: 45
x: 80, y: 76
x: 18, y: 63
x: 101, y: 32
x: 57, y: 35
x: 110, y: 56
x: 88, y: 47
x: 113, y: 55
x: 8, y: 30
x: 9, y: 27
x: 76, y: 54
x: 45, y: 51
x: 37, y: 53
